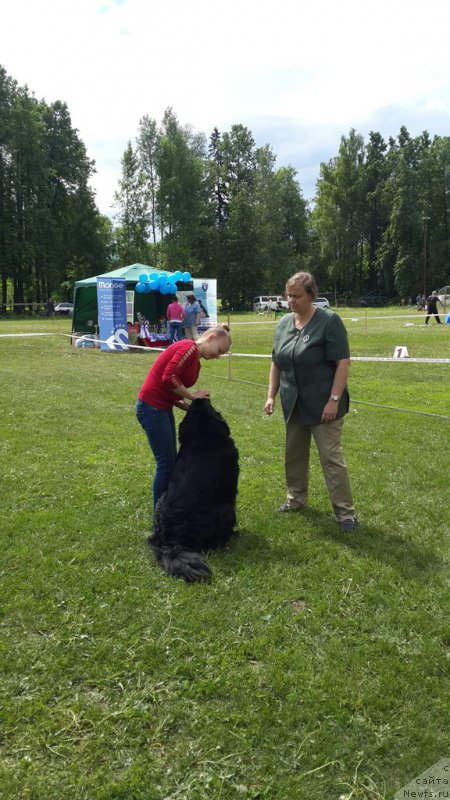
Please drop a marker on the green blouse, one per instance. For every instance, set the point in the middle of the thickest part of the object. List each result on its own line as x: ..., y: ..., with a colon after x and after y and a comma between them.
x: 307, y: 360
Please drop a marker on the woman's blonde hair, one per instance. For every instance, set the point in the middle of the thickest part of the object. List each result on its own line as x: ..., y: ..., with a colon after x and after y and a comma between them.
x: 304, y: 279
x: 218, y: 331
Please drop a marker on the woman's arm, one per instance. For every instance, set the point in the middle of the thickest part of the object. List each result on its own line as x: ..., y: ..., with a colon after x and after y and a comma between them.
x: 274, y: 385
x: 182, y: 404
x: 174, y: 370
x: 330, y: 410
x: 186, y: 394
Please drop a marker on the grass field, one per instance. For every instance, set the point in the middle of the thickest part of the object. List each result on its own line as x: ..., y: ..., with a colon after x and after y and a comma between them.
x: 314, y: 664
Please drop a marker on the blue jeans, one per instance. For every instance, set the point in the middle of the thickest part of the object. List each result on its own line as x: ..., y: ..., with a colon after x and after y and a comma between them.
x: 159, y: 426
x: 175, y: 332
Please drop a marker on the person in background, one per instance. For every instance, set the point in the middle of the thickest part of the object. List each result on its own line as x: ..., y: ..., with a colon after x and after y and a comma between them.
x: 49, y: 307
x: 279, y: 310
x: 419, y: 302
x: 191, y: 318
x: 270, y: 308
x: 167, y: 385
x: 175, y: 317
x: 162, y: 325
x: 432, y: 302
x: 310, y: 364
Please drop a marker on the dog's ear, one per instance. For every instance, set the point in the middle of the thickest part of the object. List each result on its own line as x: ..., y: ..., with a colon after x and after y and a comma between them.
x: 215, y: 425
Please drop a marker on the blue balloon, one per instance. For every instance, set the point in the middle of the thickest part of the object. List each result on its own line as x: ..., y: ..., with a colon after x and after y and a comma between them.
x: 154, y: 276
x: 143, y: 277
x: 186, y: 277
x: 177, y: 276
x: 163, y: 290
x: 147, y: 288
x: 161, y: 280
x: 153, y: 285
x: 140, y: 287
x: 162, y: 275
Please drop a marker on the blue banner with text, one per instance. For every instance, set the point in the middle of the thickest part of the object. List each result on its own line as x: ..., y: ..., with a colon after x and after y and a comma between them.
x: 112, y: 313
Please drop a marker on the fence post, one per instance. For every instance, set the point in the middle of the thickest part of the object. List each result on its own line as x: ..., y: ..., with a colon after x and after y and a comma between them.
x: 229, y: 353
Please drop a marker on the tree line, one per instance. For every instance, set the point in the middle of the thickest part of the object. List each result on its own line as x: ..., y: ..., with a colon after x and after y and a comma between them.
x: 218, y: 207
x: 51, y: 232
x: 381, y: 218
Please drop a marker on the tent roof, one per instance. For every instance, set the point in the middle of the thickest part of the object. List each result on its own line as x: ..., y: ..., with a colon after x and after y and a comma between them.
x: 130, y: 273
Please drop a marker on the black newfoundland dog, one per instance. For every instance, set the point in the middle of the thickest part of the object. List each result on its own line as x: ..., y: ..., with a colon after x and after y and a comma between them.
x: 197, y: 512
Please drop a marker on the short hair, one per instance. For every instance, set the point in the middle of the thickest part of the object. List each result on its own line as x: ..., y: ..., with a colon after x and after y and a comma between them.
x: 304, y: 279
x: 191, y: 298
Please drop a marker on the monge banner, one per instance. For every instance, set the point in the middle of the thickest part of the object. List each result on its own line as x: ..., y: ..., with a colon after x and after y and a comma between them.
x: 112, y: 313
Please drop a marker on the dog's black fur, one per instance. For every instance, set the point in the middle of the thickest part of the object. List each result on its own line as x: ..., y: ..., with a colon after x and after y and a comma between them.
x: 197, y: 512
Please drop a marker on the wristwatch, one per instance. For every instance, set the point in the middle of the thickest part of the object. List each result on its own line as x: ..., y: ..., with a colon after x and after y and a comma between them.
x: 334, y: 397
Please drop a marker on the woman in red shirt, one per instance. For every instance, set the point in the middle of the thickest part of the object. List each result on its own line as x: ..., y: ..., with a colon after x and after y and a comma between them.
x: 167, y: 385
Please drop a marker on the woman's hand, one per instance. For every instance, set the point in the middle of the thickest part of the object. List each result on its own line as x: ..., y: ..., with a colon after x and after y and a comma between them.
x: 330, y: 411
x: 201, y: 394
x: 269, y: 405
x: 272, y: 391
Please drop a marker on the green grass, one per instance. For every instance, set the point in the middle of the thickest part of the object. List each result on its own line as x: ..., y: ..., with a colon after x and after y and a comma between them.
x: 311, y: 667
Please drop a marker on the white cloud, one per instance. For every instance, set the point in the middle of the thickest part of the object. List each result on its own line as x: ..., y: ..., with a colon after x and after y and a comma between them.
x: 314, y: 68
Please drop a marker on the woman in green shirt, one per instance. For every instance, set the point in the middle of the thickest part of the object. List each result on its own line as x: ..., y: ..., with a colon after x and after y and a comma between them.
x: 310, y: 364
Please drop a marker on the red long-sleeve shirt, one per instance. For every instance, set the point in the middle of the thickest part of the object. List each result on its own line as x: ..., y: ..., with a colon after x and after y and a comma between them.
x: 178, y: 364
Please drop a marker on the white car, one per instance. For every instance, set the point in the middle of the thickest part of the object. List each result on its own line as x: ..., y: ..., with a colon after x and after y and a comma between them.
x: 64, y: 309
x: 269, y: 302
x: 321, y: 302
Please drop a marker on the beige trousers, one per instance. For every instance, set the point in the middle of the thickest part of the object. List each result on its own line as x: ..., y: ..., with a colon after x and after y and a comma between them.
x: 328, y: 441
x: 191, y: 333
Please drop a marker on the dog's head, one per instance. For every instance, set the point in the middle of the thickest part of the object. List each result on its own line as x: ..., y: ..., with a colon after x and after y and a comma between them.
x: 202, y: 423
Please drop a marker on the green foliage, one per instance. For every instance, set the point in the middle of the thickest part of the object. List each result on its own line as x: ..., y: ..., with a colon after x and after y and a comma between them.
x: 49, y: 224
x: 147, y: 143
x: 226, y: 214
x: 380, y: 221
x: 381, y: 217
x: 339, y: 214
x: 312, y: 666
x: 133, y: 222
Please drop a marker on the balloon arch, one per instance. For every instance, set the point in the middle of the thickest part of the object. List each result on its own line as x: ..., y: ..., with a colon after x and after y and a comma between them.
x: 161, y: 282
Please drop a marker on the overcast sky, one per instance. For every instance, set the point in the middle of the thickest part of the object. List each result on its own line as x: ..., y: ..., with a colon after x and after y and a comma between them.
x: 298, y: 74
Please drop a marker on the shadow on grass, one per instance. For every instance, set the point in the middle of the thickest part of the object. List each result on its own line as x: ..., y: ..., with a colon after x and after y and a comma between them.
x: 398, y: 552
x: 395, y: 550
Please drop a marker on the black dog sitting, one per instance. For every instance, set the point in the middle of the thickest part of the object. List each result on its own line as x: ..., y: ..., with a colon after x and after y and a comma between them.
x: 197, y: 512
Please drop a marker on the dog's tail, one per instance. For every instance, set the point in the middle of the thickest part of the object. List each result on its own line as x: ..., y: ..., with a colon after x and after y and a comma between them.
x: 181, y: 563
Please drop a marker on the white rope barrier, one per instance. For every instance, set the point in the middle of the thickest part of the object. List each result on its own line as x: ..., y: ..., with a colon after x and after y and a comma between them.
x: 360, y: 318
x: 361, y: 358
x: 359, y: 402
x: 124, y: 348
x: 12, y: 335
